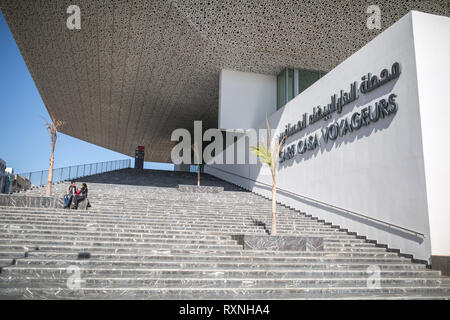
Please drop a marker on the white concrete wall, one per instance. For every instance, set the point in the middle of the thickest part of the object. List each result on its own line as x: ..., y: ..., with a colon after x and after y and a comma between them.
x: 245, y: 99
x: 432, y: 44
x: 378, y: 171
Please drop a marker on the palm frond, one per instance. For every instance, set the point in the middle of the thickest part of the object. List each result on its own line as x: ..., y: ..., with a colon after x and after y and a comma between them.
x: 59, y: 123
x: 268, y: 129
x: 263, y: 153
x: 196, y: 153
x: 268, y: 154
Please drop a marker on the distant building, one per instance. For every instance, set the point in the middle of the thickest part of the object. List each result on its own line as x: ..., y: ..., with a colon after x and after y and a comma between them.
x: 2, y: 165
x: 5, y: 178
x: 20, y: 183
x: 10, y: 182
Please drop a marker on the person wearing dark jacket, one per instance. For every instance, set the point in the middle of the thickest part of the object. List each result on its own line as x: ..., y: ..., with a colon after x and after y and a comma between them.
x: 81, y: 195
x: 70, y: 193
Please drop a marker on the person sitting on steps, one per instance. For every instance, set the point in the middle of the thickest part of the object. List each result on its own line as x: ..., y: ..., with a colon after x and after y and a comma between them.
x: 80, y: 196
x: 70, y: 192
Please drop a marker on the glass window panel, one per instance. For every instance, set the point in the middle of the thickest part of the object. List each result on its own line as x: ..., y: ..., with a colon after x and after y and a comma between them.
x: 281, y: 89
x: 290, y: 84
x: 306, y: 79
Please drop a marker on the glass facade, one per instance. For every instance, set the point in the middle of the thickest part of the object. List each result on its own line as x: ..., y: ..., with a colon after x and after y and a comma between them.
x: 306, y: 78
x: 281, y: 89
x: 291, y: 82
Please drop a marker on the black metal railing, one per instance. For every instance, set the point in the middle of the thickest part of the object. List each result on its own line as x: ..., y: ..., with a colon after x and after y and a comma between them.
x: 39, y: 178
x: 388, y: 224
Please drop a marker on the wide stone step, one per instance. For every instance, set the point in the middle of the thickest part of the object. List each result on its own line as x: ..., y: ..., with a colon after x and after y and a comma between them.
x: 17, y: 223
x: 11, y: 254
x: 20, y: 271
x: 149, y: 234
x: 11, y: 219
x: 329, y: 244
x: 169, y: 251
x: 227, y: 293
x: 265, y: 265
x: 180, y: 203
x: 94, y: 235
x: 118, y: 234
x: 6, y: 261
x: 145, y: 233
x: 175, y: 205
x: 162, y: 214
x: 181, y: 282
x: 150, y: 217
x: 145, y: 229
x: 166, y: 221
x: 183, y: 229
x: 127, y: 228
x: 93, y: 244
x: 175, y: 200
x: 154, y: 234
x: 353, y: 249
x: 187, y: 230
x: 44, y: 237
x: 155, y: 196
x: 302, y: 257
x: 159, y: 194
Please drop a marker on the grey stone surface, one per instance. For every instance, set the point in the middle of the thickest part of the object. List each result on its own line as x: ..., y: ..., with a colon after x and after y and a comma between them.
x: 441, y: 263
x: 30, y: 201
x: 143, y: 239
x: 280, y: 243
x: 202, y: 189
x: 84, y: 205
x: 144, y: 68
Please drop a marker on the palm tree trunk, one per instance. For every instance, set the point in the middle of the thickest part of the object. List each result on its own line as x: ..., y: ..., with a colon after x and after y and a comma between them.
x: 273, y: 232
x: 198, y: 175
x: 50, y: 169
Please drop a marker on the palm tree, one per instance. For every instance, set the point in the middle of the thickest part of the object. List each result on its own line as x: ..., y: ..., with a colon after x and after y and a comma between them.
x: 197, y: 159
x: 52, y: 128
x: 269, y: 155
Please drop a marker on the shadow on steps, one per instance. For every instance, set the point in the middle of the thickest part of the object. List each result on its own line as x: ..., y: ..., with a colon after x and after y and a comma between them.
x: 157, y: 178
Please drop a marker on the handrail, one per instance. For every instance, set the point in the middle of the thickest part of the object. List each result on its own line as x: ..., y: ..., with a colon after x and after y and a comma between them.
x: 39, y: 178
x: 327, y: 204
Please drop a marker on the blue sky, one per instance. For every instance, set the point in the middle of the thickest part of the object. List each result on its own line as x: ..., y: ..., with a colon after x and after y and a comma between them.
x: 24, y: 140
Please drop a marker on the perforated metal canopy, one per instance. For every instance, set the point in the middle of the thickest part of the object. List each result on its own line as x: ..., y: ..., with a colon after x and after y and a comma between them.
x: 139, y: 69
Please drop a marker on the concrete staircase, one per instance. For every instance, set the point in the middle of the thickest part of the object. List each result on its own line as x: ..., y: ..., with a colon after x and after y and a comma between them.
x: 143, y: 239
